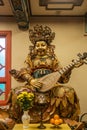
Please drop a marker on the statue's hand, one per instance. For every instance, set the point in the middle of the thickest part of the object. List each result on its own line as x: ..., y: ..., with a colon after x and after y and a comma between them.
x: 67, y: 77
x: 36, y: 83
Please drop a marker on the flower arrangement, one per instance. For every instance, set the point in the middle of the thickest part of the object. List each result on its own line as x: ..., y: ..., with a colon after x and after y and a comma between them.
x: 25, y: 99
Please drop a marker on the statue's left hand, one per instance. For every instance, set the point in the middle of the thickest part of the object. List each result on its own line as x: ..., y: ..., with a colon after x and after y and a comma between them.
x: 36, y: 83
x: 67, y: 76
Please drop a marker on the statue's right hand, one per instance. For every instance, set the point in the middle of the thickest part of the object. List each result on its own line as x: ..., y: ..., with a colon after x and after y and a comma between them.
x: 35, y: 83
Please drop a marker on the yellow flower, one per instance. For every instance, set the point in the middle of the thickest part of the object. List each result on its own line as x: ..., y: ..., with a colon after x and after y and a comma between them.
x: 25, y: 100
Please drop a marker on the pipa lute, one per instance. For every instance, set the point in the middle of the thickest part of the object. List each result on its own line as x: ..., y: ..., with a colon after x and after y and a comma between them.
x: 49, y: 81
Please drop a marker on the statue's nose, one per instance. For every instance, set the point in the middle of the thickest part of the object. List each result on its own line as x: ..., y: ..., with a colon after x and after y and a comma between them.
x: 40, y: 47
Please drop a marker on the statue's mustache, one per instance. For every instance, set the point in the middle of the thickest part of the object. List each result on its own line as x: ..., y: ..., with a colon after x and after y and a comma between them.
x: 40, y: 50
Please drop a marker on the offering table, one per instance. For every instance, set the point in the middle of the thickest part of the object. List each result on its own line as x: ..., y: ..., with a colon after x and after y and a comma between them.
x: 35, y: 127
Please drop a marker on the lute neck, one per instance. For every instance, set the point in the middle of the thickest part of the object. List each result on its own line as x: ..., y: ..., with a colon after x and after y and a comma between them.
x: 71, y: 66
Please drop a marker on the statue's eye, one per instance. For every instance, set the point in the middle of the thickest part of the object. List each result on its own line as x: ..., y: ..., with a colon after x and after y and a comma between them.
x: 43, y: 44
x: 37, y: 45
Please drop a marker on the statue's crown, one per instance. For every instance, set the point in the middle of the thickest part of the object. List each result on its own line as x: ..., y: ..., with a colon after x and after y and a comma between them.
x: 40, y: 33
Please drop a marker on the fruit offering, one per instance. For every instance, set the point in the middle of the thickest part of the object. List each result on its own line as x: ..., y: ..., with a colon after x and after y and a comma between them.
x: 56, y: 120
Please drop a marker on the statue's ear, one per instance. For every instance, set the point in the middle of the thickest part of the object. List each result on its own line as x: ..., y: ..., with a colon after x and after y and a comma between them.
x: 50, y: 49
x: 31, y: 48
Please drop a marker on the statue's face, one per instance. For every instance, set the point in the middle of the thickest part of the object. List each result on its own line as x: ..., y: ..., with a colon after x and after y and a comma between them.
x: 41, y: 47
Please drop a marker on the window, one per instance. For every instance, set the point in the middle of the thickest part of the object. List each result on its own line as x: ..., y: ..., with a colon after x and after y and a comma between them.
x: 5, y: 65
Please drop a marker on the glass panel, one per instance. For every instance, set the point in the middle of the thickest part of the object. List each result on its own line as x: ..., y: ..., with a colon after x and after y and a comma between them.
x: 2, y: 57
x: 2, y: 91
x: 2, y: 72
x: 2, y: 42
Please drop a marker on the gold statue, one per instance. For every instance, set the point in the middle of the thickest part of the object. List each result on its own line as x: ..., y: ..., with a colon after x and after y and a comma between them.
x: 42, y: 61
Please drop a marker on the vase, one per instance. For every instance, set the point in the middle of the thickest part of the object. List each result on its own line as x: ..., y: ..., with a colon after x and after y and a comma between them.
x: 25, y: 119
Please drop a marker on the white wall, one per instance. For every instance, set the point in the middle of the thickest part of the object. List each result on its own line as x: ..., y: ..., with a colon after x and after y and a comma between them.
x: 69, y: 41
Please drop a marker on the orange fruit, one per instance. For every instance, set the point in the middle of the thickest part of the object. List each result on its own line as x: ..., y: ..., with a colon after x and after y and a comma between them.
x: 56, y: 116
x: 60, y: 120
x: 56, y: 122
x: 52, y: 121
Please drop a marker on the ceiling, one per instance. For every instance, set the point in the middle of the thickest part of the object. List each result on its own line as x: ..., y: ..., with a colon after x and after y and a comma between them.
x: 22, y: 10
